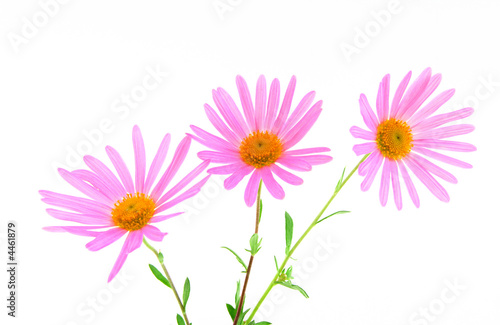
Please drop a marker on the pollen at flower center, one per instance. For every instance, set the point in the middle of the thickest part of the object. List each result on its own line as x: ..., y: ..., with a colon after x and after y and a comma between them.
x: 394, y: 139
x: 260, y: 149
x: 133, y: 212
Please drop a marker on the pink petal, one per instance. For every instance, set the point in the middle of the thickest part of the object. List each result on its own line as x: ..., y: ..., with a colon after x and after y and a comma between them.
x: 140, y: 159
x: 231, y: 113
x: 372, y: 171
x: 272, y: 104
x: 107, y: 175
x: 294, y: 135
x: 237, y: 176
x: 416, y: 89
x: 211, y: 141
x: 316, y: 159
x: 294, y: 163
x: 153, y: 233
x: 219, y: 157
x: 129, y: 245
x: 97, y: 183
x: 157, y: 163
x: 121, y: 169
x: 384, y: 185
x: 272, y: 186
x: 363, y: 167
x: 445, y: 145
x: 299, y: 111
x: 383, y: 99
x: 260, y: 102
x: 179, y: 156
x: 195, y: 189
x: 221, y: 126
x: 76, y: 230
x: 364, y: 148
x: 431, y: 86
x: 393, y: 168
x: 246, y: 102
x: 75, y: 203
x: 434, y: 169
x: 367, y: 114
x: 87, y: 219
x: 409, y: 184
x: 431, y: 107
x: 399, y: 94
x: 285, y: 106
x: 362, y: 134
x: 106, y: 238
x: 252, y: 188
x: 435, y: 121
x: 286, y: 175
x: 135, y: 239
x: 427, y: 179
x: 85, y: 188
x: 156, y: 219
x: 441, y: 157
x: 226, y: 169
x: 445, y: 132
x: 184, y: 182
x: 307, y: 151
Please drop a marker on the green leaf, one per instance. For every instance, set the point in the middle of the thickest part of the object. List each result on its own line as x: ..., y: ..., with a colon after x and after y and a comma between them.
x: 276, y: 262
x: 159, y: 276
x: 187, y: 290
x: 254, y: 244
x: 260, y: 209
x: 259, y: 323
x: 294, y: 287
x: 339, y: 183
x: 180, y: 320
x: 237, y: 257
x: 338, y: 212
x: 237, y: 295
x: 231, y: 310
x: 288, y: 232
x: 160, y: 257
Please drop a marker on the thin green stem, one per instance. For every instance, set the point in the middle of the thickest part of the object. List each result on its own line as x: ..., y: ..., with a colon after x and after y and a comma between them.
x: 179, y: 301
x: 250, y: 263
x: 292, y: 250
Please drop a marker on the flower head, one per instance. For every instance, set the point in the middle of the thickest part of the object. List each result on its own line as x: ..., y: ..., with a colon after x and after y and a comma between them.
x: 400, y: 136
x: 117, y: 205
x: 259, y: 140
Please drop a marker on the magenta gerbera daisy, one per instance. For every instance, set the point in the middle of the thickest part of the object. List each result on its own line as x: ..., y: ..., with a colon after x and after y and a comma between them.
x: 118, y: 206
x: 259, y: 141
x: 400, y: 136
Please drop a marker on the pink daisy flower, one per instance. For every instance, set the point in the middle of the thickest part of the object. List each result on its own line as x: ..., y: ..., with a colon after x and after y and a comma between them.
x: 401, y: 136
x: 259, y: 141
x: 118, y: 206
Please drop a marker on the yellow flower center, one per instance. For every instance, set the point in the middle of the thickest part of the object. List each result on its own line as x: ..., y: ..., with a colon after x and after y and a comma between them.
x: 394, y: 139
x: 260, y: 149
x: 133, y: 211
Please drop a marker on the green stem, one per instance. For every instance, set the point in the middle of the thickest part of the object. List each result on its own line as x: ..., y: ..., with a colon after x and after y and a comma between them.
x: 250, y: 263
x: 311, y: 226
x: 179, y: 301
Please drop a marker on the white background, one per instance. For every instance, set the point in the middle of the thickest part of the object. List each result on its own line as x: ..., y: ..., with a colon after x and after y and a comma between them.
x: 385, y: 267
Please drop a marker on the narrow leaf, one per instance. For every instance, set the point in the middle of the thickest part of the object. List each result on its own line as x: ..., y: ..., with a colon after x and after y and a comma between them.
x: 159, y: 276
x: 338, y: 212
x: 254, y: 244
x: 231, y: 310
x: 180, y: 320
x: 260, y: 210
x: 276, y: 262
x: 187, y: 290
x: 288, y: 232
x: 294, y: 287
x: 237, y: 257
x: 339, y: 183
x: 160, y: 257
